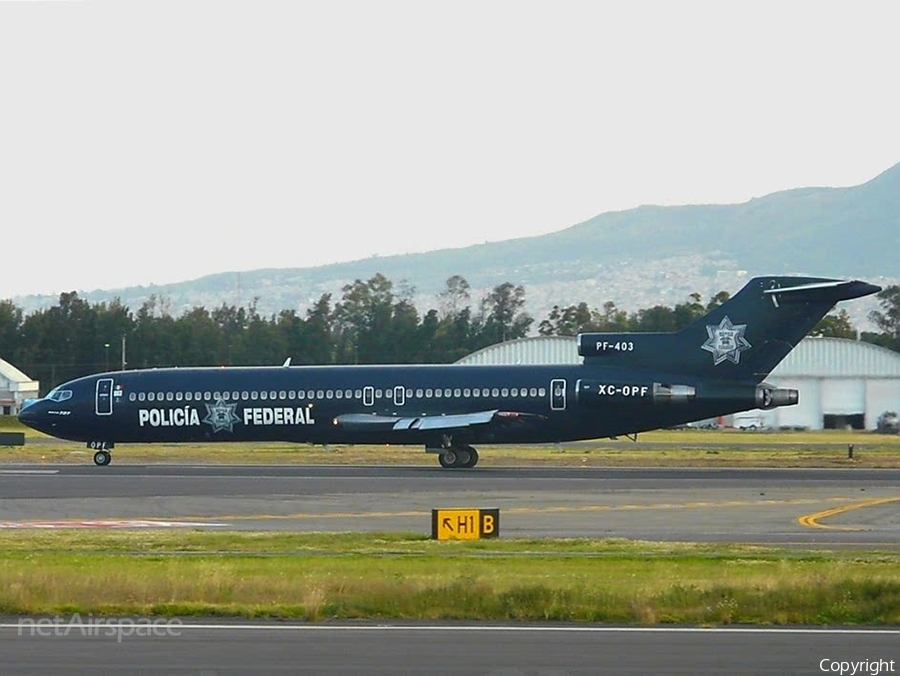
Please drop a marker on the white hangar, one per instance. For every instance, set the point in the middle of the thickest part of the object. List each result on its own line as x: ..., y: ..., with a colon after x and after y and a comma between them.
x: 841, y: 382
x: 15, y: 388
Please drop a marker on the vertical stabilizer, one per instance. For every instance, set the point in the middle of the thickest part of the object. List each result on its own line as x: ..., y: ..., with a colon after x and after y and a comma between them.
x: 742, y: 339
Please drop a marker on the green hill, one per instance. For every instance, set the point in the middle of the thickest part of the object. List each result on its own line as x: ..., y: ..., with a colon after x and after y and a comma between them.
x: 638, y: 257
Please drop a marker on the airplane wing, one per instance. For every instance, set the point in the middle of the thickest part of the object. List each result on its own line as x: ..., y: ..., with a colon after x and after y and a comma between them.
x: 373, y: 422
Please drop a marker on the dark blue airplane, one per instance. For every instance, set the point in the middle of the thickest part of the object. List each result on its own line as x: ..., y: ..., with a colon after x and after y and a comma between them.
x: 627, y: 383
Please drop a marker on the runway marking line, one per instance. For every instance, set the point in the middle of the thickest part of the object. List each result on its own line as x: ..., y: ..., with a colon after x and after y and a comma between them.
x: 106, y: 523
x: 479, y: 628
x: 809, y: 520
x: 529, y: 510
x: 812, y: 520
x: 198, y: 521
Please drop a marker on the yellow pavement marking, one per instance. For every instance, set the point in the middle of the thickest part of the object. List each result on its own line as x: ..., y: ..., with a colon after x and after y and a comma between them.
x: 812, y: 520
x: 809, y: 520
x: 523, y: 510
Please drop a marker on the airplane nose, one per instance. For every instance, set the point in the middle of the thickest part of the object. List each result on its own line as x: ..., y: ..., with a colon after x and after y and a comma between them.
x: 27, y: 415
x: 32, y: 417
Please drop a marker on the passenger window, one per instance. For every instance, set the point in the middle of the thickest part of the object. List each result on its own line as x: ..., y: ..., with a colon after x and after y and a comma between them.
x: 170, y: 396
x: 132, y: 396
x: 151, y: 396
x: 263, y: 395
x: 179, y: 396
x: 457, y: 392
x: 504, y: 392
x: 141, y: 396
x: 254, y: 395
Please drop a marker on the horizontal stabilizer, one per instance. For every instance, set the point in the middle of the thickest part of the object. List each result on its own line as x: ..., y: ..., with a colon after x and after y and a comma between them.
x: 830, y: 291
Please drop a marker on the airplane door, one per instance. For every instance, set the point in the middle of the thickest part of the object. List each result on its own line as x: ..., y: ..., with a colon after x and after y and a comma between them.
x: 368, y: 395
x: 558, y: 394
x: 399, y: 395
x: 103, y: 401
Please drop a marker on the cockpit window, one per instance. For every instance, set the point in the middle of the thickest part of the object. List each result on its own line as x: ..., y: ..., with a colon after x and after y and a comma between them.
x: 58, y: 395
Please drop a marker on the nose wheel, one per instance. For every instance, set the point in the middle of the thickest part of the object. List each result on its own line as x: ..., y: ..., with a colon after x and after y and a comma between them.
x: 102, y: 458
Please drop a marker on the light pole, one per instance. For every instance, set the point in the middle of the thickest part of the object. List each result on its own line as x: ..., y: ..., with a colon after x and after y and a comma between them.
x: 106, y: 356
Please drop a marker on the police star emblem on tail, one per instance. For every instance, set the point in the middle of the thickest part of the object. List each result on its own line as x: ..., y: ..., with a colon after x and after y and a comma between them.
x: 726, y: 341
x: 221, y: 416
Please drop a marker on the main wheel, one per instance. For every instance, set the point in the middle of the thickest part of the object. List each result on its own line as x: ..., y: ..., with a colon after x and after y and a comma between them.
x: 463, y: 457
x: 102, y: 458
x: 448, y: 458
x: 473, y: 457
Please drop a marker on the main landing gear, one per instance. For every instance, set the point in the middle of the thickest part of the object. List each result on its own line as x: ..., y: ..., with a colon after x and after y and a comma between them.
x: 458, y: 456
x: 102, y: 456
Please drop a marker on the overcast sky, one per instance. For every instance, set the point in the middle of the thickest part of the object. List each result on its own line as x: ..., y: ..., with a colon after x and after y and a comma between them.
x: 154, y: 142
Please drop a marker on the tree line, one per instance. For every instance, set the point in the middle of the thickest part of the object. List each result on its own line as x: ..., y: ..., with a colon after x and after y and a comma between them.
x: 371, y: 323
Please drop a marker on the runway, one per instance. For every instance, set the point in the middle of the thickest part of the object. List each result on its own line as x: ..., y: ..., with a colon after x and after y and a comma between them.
x: 444, y: 648
x: 804, y: 508
x: 787, y: 507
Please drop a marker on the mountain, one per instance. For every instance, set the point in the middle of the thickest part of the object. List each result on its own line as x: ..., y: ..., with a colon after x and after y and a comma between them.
x: 636, y: 258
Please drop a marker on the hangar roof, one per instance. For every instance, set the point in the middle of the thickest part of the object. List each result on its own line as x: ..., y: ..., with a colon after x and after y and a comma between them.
x: 540, y: 350
x: 12, y: 374
x: 837, y: 357
x: 813, y: 357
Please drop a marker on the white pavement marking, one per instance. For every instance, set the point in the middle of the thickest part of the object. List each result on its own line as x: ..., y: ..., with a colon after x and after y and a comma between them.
x: 108, y: 523
x: 182, y: 625
x: 29, y: 471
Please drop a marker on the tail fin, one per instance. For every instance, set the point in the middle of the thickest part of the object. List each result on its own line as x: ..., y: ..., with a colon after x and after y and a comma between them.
x: 742, y: 339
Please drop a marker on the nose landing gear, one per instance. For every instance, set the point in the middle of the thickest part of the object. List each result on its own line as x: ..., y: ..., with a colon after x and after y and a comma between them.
x: 102, y: 456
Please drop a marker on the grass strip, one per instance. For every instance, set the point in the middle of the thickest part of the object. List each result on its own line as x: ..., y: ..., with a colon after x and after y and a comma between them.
x: 322, y: 576
x: 661, y: 448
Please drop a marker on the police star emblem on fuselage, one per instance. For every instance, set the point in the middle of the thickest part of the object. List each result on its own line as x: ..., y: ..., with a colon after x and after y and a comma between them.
x: 221, y: 416
x: 726, y: 341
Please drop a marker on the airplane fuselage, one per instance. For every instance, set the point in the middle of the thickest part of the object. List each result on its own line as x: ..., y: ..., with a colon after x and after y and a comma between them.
x: 313, y: 404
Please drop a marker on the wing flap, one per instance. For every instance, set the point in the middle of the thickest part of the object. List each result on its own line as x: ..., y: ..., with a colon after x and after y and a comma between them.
x: 373, y: 422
